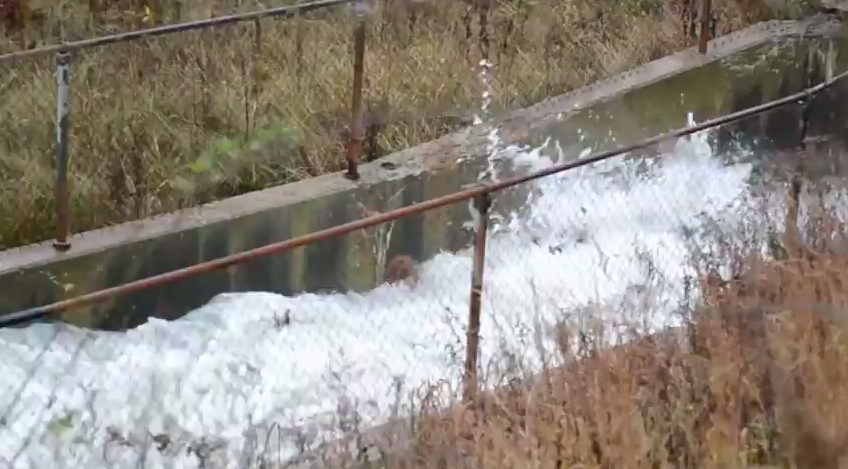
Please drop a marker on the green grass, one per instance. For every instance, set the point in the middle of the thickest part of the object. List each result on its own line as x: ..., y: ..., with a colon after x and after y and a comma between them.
x: 193, y: 117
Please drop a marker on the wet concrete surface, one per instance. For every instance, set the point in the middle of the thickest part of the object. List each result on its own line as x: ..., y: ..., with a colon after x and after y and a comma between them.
x: 743, y: 69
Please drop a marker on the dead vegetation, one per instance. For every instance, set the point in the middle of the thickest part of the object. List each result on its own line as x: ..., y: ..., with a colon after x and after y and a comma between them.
x: 756, y: 377
x: 188, y: 118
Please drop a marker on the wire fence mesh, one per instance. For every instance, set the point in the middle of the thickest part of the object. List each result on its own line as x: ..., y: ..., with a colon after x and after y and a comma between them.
x: 301, y: 376
x: 155, y: 125
x: 641, y: 284
x: 283, y: 84
x: 266, y: 380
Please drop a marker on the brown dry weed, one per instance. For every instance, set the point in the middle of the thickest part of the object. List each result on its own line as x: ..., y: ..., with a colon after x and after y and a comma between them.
x: 757, y: 377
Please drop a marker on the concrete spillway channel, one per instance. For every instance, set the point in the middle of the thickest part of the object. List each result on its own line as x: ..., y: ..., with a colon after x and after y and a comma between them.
x: 742, y: 69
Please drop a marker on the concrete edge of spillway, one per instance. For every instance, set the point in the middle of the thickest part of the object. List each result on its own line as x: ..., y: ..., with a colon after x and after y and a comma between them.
x: 38, y: 274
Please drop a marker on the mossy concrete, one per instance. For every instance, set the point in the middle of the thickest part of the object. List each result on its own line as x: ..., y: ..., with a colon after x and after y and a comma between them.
x: 740, y: 70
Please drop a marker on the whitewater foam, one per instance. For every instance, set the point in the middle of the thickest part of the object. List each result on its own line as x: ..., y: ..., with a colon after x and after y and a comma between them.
x: 231, y: 369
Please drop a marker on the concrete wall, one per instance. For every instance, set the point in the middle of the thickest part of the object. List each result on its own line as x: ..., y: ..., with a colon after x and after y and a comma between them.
x: 633, y: 105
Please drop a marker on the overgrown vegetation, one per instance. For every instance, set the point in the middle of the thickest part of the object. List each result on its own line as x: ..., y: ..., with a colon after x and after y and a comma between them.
x: 188, y: 118
x: 756, y: 377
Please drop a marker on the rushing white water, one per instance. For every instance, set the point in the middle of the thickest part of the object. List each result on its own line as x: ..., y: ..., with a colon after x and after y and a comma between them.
x: 74, y: 398
x: 210, y: 385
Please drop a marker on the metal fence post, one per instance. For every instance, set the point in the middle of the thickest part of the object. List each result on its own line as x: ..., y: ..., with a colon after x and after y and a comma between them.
x: 803, y: 150
x: 796, y: 184
x: 472, y: 350
x: 63, y: 73
x: 355, y: 132
x: 706, y: 17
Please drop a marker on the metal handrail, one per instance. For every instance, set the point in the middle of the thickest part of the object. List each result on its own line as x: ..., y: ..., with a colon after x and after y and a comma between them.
x: 285, y: 12
x: 63, y: 61
x: 62, y: 53
x: 482, y: 195
x: 39, y: 312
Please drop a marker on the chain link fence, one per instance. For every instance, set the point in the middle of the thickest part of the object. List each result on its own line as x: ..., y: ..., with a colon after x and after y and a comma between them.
x: 540, y: 283
x: 155, y: 124
x: 523, y: 289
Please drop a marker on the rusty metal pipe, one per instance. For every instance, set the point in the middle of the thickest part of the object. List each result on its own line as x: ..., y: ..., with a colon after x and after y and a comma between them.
x: 355, y: 132
x: 376, y: 219
x: 706, y: 16
x: 63, y: 64
x: 283, y: 12
x: 472, y: 343
x: 796, y: 184
x: 791, y: 222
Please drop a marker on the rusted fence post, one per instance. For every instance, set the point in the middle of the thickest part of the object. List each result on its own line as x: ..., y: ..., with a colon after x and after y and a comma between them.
x: 63, y: 65
x: 706, y: 18
x: 472, y: 349
x: 355, y: 132
x: 802, y: 154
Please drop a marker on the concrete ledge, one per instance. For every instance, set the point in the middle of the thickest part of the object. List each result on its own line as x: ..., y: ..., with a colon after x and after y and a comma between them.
x: 37, y: 274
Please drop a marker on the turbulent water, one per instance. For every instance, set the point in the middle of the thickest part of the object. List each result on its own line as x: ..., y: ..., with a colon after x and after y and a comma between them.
x: 208, y: 387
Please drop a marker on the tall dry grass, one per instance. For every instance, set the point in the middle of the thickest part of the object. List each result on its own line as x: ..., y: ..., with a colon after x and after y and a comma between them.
x: 193, y: 117
x: 757, y: 376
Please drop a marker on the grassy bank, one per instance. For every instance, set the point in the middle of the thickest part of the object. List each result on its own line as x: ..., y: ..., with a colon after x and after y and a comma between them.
x: 193, y: 117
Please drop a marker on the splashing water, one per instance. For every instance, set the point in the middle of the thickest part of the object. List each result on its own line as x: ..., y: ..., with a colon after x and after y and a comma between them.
x: 485, y: 76
x: 204, y: 387
x: 488, y: 95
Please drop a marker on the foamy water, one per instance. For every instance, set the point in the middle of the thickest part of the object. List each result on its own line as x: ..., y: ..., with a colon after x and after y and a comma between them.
x: 218, y: 379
